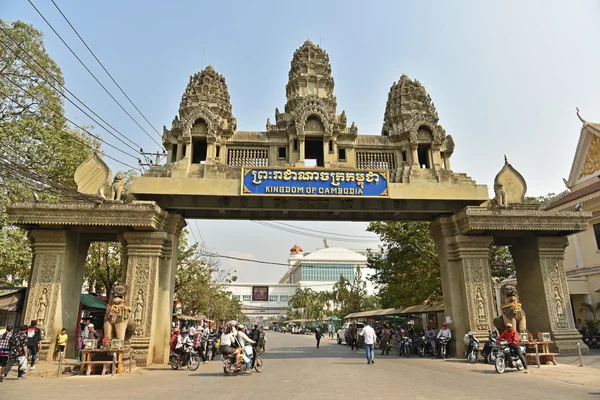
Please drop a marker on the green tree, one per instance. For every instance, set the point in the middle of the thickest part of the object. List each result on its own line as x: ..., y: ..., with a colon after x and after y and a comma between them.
x: 350, y: 296
x: 34, y: 150
x: 103, y: 267
x: 407, y: 265
x: 502, y: 265
x: 200, y: 284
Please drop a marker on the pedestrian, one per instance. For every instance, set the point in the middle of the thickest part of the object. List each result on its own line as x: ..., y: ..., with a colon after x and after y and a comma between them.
x: 353, y: 336
x: 318, y: 336
x: 370, y: 337
x: 34, y: 337
x: 5, y: 349
x: 18, y: 352
x: 385, y: 341
x: 61, y: 342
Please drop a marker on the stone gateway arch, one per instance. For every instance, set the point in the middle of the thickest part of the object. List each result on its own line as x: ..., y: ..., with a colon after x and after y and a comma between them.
x: 310, y: 163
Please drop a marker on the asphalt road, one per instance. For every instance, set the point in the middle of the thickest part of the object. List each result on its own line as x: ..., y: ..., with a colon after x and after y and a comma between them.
x: 295, y: 369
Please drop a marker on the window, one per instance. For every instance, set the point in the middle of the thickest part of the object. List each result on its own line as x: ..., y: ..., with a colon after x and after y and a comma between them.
x: 236, y: 297
x: 183, y: 150
x: 331, y: 146
x: 597, y: 235
x: 327, y: 272
x: 341, y: 154
x: 174, y: 152
x: 404, y: 156
x: 246, y: 298
x: 284, y: 298
x: 273, y: 298
x: 295, y: 144
x: 281, y: 153
x: 218, y: 152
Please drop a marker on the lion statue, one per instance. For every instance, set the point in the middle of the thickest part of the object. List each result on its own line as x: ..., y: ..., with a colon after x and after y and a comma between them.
x: 117, y: 324
x: 511, y: 311
x: 499, y: 200
x: 116, y: 189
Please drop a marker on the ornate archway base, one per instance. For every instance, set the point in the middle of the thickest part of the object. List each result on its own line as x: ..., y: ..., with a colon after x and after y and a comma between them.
x: 537, y: 241
x: 61, y: 235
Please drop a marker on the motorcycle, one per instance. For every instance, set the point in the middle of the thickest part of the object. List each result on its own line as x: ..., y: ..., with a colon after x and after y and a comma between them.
x: 189, y: 359
x: 423, y: 346
x: 473, y: 349
x: 443, y: 347
x: 212, y: 346
x: 506, y: 357
x: 399, y: 346
x: 250, y: 359
x: 408, y: 342
x: 488, y: 348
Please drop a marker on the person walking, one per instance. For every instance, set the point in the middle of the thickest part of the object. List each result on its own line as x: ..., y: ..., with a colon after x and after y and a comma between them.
x: 318, y: 336
x: 18, y: 352
x: 34, y: 337
x: 353, y: 335
x: 5, y: 350
x: 370, y: 337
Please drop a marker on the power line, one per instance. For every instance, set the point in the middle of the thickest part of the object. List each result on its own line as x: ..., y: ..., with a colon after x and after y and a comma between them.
x: 68, y: 91
x: 43, y: 104
x: 102, y: 65
x: 198, y: 229
x: 243, y: 259
x: 297, y: 232
x: 75, y: 138
x: 329, y: 233
x: 92, y: 74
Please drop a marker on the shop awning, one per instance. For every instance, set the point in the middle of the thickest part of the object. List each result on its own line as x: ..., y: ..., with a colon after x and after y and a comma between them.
x: 91, y: 301
x: 12, y: 300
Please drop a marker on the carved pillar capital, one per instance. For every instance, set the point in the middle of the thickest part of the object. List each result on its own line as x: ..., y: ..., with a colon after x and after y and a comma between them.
x: 145, y: 244
x: 462, y: 246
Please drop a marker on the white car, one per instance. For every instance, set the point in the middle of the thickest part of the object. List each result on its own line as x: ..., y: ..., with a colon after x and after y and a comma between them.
x: 344, y: 330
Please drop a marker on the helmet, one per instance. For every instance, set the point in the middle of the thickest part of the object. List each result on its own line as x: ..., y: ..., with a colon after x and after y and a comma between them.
x: 241, y: 327
x: 184, y: 330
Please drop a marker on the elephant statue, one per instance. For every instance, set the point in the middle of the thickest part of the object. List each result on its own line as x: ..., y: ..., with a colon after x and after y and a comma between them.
x: 511, y: 311
x: 117, y: 324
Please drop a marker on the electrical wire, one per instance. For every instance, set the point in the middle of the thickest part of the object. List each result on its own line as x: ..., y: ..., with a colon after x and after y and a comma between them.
x: 104, y: 68
x: 334, y: 239
x: 94, y: 76
x: 242, y: 259
x: 198, y: 229
x: 317, y: 231
x: 73, y: 137
x: 68, y: 91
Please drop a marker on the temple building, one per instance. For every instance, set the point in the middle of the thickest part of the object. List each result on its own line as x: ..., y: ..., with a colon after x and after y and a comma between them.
x: 318, y: 270
x: 582, y: 257
x: 204, y: 142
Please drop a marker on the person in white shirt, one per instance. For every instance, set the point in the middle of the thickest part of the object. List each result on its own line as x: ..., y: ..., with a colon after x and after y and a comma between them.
x: 226, y: 347
x: 370, y: 337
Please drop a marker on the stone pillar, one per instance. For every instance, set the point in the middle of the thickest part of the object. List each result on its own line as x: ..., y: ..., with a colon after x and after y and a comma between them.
x: 144, y: 279
x: 447, y: 162
x: 415, y: 155
x: 466, y: 282
x: 180, y: 154
x: 436, y: 157
x: 301, y: 143
x: 55, y: 285
x: 543, y: 290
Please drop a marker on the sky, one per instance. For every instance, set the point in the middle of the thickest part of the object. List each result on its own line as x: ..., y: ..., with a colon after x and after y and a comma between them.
x: 505, y: 78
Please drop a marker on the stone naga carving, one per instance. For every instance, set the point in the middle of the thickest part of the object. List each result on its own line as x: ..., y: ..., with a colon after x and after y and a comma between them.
x: 511, y: 311
x: 117, y: 324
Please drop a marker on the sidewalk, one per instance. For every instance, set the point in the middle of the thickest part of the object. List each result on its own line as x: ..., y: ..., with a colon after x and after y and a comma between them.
x: 45, y: 369
x: 591, y: 360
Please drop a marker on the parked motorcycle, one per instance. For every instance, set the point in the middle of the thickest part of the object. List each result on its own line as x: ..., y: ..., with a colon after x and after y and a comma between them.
x: 408, y: 342
x: 189, y: 358
x: 473, y: 349
x: 506, y: 357
x: 423, y: 342
x: 489, y: 347
x: 443, y: 347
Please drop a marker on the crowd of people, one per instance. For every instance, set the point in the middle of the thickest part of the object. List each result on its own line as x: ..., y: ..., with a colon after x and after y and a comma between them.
x: 227, y: 339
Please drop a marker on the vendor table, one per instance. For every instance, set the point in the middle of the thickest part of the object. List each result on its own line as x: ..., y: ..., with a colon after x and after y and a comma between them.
x: 87, y: 355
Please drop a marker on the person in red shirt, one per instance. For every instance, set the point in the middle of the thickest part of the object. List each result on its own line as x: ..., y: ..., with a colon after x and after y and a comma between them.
x: 512, y: 337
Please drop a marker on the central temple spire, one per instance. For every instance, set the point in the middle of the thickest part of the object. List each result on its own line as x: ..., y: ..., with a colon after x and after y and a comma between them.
x: 310, y: 75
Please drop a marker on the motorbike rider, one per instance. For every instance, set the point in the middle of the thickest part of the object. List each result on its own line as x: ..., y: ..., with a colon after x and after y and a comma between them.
x: 411, y: 329
x: 183, y: 340
x: 243, y: 340
x: 444, y: 332
x: 512, y: 337
x: 227, y: 341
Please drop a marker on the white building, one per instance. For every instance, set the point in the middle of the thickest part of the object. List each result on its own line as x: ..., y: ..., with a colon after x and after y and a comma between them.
x: 319, y: 271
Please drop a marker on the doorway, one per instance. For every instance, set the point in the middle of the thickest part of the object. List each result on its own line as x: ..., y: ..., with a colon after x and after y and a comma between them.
x: 424, y: 151
x: 313, y: 150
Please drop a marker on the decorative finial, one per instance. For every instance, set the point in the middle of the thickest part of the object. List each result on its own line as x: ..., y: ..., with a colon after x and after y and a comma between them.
x: 579, y: 116
x: 505, y: 160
